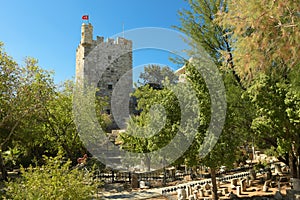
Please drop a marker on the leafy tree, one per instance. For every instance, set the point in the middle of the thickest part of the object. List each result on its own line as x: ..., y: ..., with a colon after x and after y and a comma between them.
x: 198, y: 23
x: 218, y: 150
x: 59, y: 128
x: 277, y: 121
x: 60, y: 131
x: 156, y: 74
x: 266, y: 34
x: 54, y: 180
x: 150, y: 131
x: 24, y: 92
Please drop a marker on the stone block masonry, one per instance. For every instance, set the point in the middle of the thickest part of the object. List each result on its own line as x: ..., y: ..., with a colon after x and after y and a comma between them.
x: 104, y: 63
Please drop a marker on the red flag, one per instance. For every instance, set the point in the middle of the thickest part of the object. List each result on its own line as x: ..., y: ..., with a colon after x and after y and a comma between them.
x: 85, y: 17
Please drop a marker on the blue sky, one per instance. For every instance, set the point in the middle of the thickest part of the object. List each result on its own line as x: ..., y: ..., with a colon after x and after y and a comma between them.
x: 50, y: 30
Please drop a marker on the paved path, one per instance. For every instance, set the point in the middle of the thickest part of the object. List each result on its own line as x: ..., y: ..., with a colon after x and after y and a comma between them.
x: 145, y: 194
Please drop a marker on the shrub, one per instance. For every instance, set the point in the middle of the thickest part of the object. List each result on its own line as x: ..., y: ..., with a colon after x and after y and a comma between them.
x: 54, y: 180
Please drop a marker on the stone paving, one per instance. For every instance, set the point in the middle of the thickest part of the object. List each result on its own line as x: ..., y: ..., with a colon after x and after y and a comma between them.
x: 146, y: 194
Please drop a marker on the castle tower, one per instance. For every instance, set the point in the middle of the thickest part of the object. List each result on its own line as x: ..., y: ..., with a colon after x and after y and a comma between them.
x: 86, y: 34
x: 105, y: 63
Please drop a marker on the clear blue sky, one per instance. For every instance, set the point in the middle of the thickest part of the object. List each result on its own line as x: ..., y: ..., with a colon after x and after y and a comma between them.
x: 50, y: 30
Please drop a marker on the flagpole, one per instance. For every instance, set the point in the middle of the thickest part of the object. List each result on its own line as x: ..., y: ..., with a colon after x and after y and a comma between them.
x: 123, y: 31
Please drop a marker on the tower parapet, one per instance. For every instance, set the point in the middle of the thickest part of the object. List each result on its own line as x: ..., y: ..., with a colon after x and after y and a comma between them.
x: 86, y: 34
x: 87, y: 42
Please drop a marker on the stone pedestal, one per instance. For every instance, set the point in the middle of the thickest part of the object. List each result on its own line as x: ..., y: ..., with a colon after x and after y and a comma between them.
x: 207, y: 192
x: 233, y: 183
x: 243, y: 185
x: 181, y: 194
x: 201, y: 193
x: 252, y: 174
x: 250, y: 183
x: 195, y: 195
x: 238, y: 190
x: 189, y: 191
x: 224, y: 191
x: 296, y: 184
x: 278, y: 169
x: 144, y: 185
x: 134, y: 181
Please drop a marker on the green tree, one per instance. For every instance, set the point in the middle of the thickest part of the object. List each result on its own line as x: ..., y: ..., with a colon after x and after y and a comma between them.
x: 151, y: 130
x: 59, y: 128
x: 266, y: 35
x: 218, y: 150
x: 156, y: 74
x: 277, y: 121
x: 54, y: 180
x: 24, y: 92
x: 200, y: 25
x: 60, y: 131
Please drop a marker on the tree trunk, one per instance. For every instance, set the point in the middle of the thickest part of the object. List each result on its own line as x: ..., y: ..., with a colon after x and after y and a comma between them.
x: 148, y: 163
x: 293, y: 165
x: 165, y: 178
x: 3, y: 168
x: 214, y: 184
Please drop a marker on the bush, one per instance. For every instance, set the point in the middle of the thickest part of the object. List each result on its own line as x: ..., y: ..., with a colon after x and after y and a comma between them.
x: 54, y: 180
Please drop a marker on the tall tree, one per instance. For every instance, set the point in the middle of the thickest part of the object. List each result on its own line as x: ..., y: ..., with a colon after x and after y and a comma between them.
x: 24, y: 92
x: 60, y: 131
x: 267, y: 34
x: 277, y: 121
x: 153, y: 128
x: 198, y: 23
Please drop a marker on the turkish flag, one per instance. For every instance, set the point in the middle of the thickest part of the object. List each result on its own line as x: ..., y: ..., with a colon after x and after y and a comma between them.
x: 85, y: 17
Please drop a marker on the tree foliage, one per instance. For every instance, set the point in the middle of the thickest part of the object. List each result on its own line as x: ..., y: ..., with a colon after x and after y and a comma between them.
x: 157, y: 74
x: 157, y: 123
x: 266, y: 37
x: 24, y: 92
x: 36, y: 115
x: 267, y: 34
x: 200, y: 25
x: 53, y: 180
x: 277, y: 121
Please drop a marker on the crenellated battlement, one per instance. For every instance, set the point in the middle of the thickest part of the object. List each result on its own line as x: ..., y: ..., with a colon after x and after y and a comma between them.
x: 87, y: 38
x: 111, y: 41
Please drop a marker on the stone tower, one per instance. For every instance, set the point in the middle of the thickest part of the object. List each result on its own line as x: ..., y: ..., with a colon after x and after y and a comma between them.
x: 105, y: 63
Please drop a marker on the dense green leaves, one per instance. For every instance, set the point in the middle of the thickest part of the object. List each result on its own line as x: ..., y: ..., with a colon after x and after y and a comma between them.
x: 276, y: 121
x: 36, y: 115
x: 156, y: 125
x: 54, y: 180
x: 157, y: 74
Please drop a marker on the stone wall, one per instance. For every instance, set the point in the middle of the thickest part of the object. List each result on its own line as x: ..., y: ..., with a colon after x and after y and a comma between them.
x: 104, y: 64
